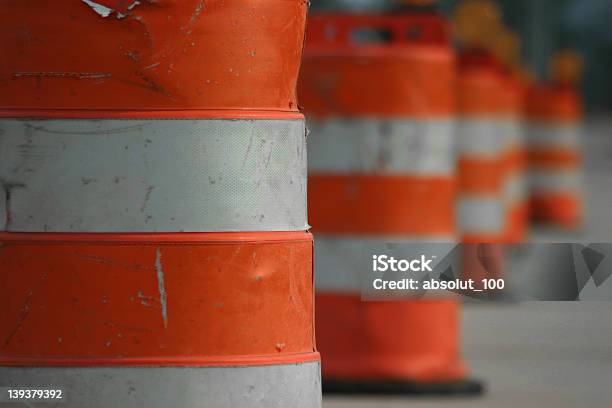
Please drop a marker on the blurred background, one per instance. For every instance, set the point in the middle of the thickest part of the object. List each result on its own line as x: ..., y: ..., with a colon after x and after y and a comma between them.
x: 545, y: 26
x: 540, y: 354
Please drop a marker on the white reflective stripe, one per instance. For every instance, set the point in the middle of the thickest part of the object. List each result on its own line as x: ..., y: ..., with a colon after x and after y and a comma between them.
x: 480, y: 137
x: 514, y: 134
x: 279, y: 386
x: 480, y: 214
x: 380, y: 146
x: 516, y: 189
x: 339, y: 260
x: 547, y: 135
x: 554, y: 181
x: 152, y: 175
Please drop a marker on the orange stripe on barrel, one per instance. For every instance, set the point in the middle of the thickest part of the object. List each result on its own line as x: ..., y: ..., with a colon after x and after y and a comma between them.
x: 562, y: 209
x: 360, y: 345
x: 349, y: 204
x: 555, y: 158
x: 480, y: 175
x: 156, y: 299
x: 555, y: 104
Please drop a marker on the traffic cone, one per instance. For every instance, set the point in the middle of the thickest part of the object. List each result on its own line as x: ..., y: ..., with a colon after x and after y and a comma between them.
x: 555, y: 154
x: 154, y: 248
x: 378, y: 94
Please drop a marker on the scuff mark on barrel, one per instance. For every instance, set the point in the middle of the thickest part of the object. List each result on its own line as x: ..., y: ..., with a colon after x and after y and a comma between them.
x: 134, y: 4
x: 194, y: 17
x: 248, y: 150
x: 8, y: 188
x: 51, y: 74
x: 129, y: 8
x: 127, y: 328
x: 295, y: 289
x: 265, y: 158
x: 80, y: 132
x: 111, y: 262
x: 146, y: 301
x: 86, y: 181
x: 152, y: 85
x: 25, y: 311
x: 146, y: 198
x: 161, y: 287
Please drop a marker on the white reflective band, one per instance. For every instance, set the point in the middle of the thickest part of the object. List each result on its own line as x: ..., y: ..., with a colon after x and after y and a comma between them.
x: 480, y: 214
x: 280, y: 386
x: 516, y: 189
x: 514, y: 134
x: 547, y: 136
x: 152, y: 175
x: 554, y: 181
x: 339, y: 260
x: 377, y: 146
x: 480, y: 137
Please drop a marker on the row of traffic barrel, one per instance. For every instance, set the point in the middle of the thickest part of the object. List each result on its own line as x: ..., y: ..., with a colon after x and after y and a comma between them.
x: 156, y: 199
x: 412, y: 141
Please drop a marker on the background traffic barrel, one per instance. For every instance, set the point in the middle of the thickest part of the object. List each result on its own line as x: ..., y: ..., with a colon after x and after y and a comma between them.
x: 482, y: 140
x: 378, y: 94
x: 492, y: 190
x: 153, y: 171
x: 482, y: 149
x: 555, y: 154
x: 506, y: 47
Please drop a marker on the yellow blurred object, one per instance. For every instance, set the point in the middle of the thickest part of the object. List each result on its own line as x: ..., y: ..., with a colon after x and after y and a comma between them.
x: 505, y: 46
x: 475, y: 20
x: 566, y: 67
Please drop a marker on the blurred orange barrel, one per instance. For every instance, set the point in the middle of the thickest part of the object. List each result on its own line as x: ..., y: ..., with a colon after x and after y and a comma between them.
x: 555, y: 155
x: 482, y: 140
x: 153, y: 172
x: 378, y: 94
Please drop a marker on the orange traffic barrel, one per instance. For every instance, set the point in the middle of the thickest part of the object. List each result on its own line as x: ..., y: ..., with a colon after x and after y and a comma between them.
x: 484, y: 130
x: 482, y: 148
x: 378, y: 94
x: 555, y: 155
x: 154, y: 247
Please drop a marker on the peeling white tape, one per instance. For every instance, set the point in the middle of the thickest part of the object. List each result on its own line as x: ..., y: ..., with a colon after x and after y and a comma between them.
x: 99, y: 8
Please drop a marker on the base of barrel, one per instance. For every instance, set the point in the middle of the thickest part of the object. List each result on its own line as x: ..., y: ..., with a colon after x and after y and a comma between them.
x: 467, y: 387
x: 291, y: 385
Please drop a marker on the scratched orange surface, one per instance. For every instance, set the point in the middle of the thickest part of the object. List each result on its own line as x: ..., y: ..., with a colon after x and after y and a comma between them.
x: 170, y: 54
x: 165, y: 299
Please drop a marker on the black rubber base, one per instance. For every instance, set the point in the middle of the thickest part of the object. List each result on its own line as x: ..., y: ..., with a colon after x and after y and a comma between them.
x: 466, y: 388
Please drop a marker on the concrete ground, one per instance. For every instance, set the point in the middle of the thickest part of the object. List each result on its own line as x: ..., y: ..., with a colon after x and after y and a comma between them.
x: 543, y: 354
